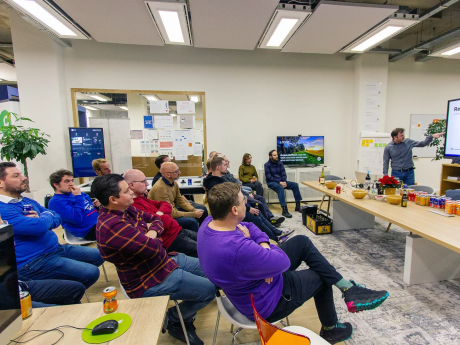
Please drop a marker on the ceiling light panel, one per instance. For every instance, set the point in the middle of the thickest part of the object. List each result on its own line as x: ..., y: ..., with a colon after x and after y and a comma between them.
x: 171, y: 19
x: 99, y: 97
x: 90, y: 108
x: 50, y: 17
x: 381, y: 33
x: 123, y: 107
x: 235, y: 24
x: 337, y: 24
x: 451, y: 51
x: 151, y: 98
x: 284, y: 23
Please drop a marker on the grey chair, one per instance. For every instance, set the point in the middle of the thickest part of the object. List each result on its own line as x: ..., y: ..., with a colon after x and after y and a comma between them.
x: 426, y: 189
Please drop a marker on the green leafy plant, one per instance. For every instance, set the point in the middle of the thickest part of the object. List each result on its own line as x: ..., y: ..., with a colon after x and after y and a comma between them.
x: 437, y: 127
x: 20, y: 143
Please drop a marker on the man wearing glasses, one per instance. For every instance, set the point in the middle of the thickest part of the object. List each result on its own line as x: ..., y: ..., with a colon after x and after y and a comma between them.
x: 188, y: 215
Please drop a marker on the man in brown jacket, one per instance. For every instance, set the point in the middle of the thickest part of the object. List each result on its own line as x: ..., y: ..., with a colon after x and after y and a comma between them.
x: 189, y: 215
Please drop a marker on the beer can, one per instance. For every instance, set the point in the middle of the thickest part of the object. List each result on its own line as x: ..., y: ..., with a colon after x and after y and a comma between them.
x: 423, y: 199
x: 417, y: 198
x: 26, y: 304
x: 26, y: 209
x: 110, y: 303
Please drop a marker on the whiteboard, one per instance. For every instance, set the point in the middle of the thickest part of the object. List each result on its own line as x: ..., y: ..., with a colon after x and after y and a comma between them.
x: 418, y: 127
x: 371, y: 147
x: 104, y: 124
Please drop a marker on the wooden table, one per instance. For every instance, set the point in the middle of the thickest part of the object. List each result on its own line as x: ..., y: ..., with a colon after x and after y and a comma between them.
x: 147, y: 313
x: 432, y: 250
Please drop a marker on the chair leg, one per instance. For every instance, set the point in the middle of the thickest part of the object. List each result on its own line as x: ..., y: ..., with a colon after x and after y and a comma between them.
x: 236, y: 333
x: 287, y: 320
x: 105, y: 273
x: 182, y: 323
x: 87, y: 298
x: 283, y: 323
x: 231, y: 329
x: 216, y: 329
x: 388, y: 228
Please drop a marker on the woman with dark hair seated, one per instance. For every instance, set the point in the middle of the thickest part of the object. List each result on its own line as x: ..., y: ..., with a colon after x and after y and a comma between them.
x: 247, y: 174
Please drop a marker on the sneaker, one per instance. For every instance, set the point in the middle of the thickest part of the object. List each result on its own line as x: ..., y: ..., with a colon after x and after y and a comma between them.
x: 282, y: 239
x: 277, y: 221
x: 341, y: 332
x: 359, y: 298
x: 175, y: 330
x: 287, y: 233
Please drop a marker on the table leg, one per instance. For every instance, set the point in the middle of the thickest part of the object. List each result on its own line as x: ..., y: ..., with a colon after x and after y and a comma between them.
x: 347, y: 217
x: 388, y: 228
x: 329, y: 206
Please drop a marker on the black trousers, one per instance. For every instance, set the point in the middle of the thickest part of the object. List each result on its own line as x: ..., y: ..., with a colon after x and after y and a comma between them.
x: 300, y: 286
x: 91, y: 235
x: 257, y: 186
x: 185, y: 243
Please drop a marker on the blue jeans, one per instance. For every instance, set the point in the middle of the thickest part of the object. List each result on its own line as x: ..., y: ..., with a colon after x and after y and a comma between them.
x: 280, y: 191
x: 51, y: 292
x: 408, y: 177
x: 188, y: 284
x: 264, y: 225
x: 192, y: 223
x: 68, y: 262
x: 263, y: 207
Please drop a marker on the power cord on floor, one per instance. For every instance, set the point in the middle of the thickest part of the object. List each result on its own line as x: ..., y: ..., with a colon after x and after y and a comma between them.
x: 16, y: 341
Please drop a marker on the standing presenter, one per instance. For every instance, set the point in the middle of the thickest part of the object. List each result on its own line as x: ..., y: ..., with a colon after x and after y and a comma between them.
x: 399, y: 150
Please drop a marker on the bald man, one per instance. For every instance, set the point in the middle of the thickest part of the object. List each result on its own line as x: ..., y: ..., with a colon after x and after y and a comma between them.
x: 189, y: 215
x: 174, y: 237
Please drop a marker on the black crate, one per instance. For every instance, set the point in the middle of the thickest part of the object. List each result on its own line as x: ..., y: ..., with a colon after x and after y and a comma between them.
x: 308, y: 210
x: 319, y: 224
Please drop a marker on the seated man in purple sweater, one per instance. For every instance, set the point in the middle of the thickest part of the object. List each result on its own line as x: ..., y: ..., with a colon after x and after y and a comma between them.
x: 238, y: 258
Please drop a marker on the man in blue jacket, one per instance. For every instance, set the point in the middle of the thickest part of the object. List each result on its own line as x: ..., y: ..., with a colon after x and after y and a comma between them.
x: 38, y: 252
x: 78, y: 212
x: 275, y: 174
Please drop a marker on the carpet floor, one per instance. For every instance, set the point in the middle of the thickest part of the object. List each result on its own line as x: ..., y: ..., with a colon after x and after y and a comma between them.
x: 418, y: 314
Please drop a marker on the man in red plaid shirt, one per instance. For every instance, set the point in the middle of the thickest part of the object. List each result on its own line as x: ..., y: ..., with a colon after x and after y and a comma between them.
x: 131, y: 240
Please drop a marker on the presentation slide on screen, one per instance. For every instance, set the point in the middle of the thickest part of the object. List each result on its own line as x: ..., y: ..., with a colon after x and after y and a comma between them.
x: 86, y: 144
x: 301, y: 150
x: 453, y: 129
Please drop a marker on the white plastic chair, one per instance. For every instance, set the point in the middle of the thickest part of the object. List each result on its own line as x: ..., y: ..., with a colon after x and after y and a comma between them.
x: 123, y: 292
x: 232, y: 315
x: 314, y: 338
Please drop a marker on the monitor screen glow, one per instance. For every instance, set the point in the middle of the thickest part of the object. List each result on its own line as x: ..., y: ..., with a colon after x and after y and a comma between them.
x: 86, y: 144
x: 452, y: 143
x: 301, y: 150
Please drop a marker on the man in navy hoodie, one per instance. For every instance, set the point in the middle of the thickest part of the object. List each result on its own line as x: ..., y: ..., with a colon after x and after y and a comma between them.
x: 38, y: 252
x: 78, y: 212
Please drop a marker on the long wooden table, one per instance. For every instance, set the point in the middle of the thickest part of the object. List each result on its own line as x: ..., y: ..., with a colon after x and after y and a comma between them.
x: 427, y: 258
x: 147, y: 314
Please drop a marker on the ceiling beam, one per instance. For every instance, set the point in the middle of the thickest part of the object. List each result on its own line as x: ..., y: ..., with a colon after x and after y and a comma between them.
x: 424, y: 58
x: 376, y: 50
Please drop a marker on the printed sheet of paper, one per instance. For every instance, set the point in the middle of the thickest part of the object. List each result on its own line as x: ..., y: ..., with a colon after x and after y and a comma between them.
x: 186, y: 121
x: 185, y: 107
x: 137, y: 134
x: 150, y: 134
x: 164, y: 134
x: 159, y: 107
x: 198, y: 150
x: 163, y: 121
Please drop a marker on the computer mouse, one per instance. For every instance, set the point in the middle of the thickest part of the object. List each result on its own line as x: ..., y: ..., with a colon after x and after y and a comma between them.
x: 105, y: 327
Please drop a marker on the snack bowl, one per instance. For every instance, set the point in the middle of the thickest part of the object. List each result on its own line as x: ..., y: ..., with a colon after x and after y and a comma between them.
x: 331, y: 184
x: 359, y: 193
x: 394, y: 199
x: 371, y: 195
x: 380, y: 197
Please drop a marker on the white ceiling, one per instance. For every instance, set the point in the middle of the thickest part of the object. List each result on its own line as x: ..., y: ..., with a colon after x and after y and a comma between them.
x: 230, y: 24
x: 114, y: 21
x: 333, y: 25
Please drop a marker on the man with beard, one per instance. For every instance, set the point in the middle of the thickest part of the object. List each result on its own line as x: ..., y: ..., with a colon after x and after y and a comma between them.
x: 38, y: 252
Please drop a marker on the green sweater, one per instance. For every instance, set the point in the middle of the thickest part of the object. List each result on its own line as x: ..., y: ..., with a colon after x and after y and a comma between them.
x: 246, y: 172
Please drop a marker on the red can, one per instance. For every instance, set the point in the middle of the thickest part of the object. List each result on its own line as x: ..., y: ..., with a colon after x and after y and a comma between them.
x: 338, y: 189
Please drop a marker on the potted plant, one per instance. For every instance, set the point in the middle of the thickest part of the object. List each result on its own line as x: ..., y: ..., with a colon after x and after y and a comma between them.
x: 438, y: 126
x: 389, y: 184
x: 20, y: 143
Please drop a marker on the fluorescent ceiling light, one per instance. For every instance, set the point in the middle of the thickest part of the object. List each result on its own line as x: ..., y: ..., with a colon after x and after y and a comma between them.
x: 171, y: 20
x: 382, y: 32
x: 49, y: 16
x: 123, y: 107
x: 173, y: 114
x: 90, y: 108
x: 151, y: 98
x: 98, y: 98
x: 194, y: 98
x: 452, y: 52
x: 448, y: 51
x: 286, y: 20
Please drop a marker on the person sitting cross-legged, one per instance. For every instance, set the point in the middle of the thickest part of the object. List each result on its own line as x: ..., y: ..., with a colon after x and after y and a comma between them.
x: 174, y: 237
x: 275, y: 174
x: 78, y: 212
x: 247, y: 174
x: 131, y: 240
x: 218, y: 168
x: 237, y: 257
x: 188, y: 214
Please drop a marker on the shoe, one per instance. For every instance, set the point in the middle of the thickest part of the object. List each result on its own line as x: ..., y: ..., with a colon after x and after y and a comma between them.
x: 341, y: 332
x: 282, y: 239
x: 285, y: 212
x: 287, y: 233
x: 359, y: 298
x: 297, y: 206
x: 277, y: 221
x: 175, y: 330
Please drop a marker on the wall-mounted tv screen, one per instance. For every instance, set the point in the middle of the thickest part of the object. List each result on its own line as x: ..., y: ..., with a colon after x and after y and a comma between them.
x: 86, y: 144
x: 452, y: 144
x: 301, y: 150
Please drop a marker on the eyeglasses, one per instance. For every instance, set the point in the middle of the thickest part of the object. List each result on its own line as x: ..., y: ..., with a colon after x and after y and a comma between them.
x: 245, y: 200
x: 174, y: 172
x: 144, y: 181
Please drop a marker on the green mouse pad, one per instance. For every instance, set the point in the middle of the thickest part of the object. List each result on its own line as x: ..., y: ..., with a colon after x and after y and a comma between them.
x: 124, y: 322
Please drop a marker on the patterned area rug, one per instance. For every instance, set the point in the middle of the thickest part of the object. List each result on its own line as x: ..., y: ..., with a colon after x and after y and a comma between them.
x: 418, y: 314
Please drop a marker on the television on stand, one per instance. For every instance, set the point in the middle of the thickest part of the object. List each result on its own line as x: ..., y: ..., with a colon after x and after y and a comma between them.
x: 299, y: 150
x: 86, y: 144
x: 452, y: 142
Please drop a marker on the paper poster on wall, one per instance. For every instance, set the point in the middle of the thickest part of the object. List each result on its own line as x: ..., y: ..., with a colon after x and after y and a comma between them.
x: 150, y: 134
x: 198, y: 136
x: 137, y: 134
x: 187, y: 121
x: 185, y: 107
x: 371, y: 115
x: 197, y: 150
x: 163, y: 121
x: 167, y: 152
x: 373, y: 102
x: 183, y: 135
x: 164, y: 134
x: 373, y: 89
x: 371, y: 126
x: 166, y: 144
x: 159, y: 107
x: 180, y: 150
x: 148, y: 121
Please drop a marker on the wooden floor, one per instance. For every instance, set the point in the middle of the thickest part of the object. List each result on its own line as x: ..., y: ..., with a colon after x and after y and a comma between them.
x: 305, y: 316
